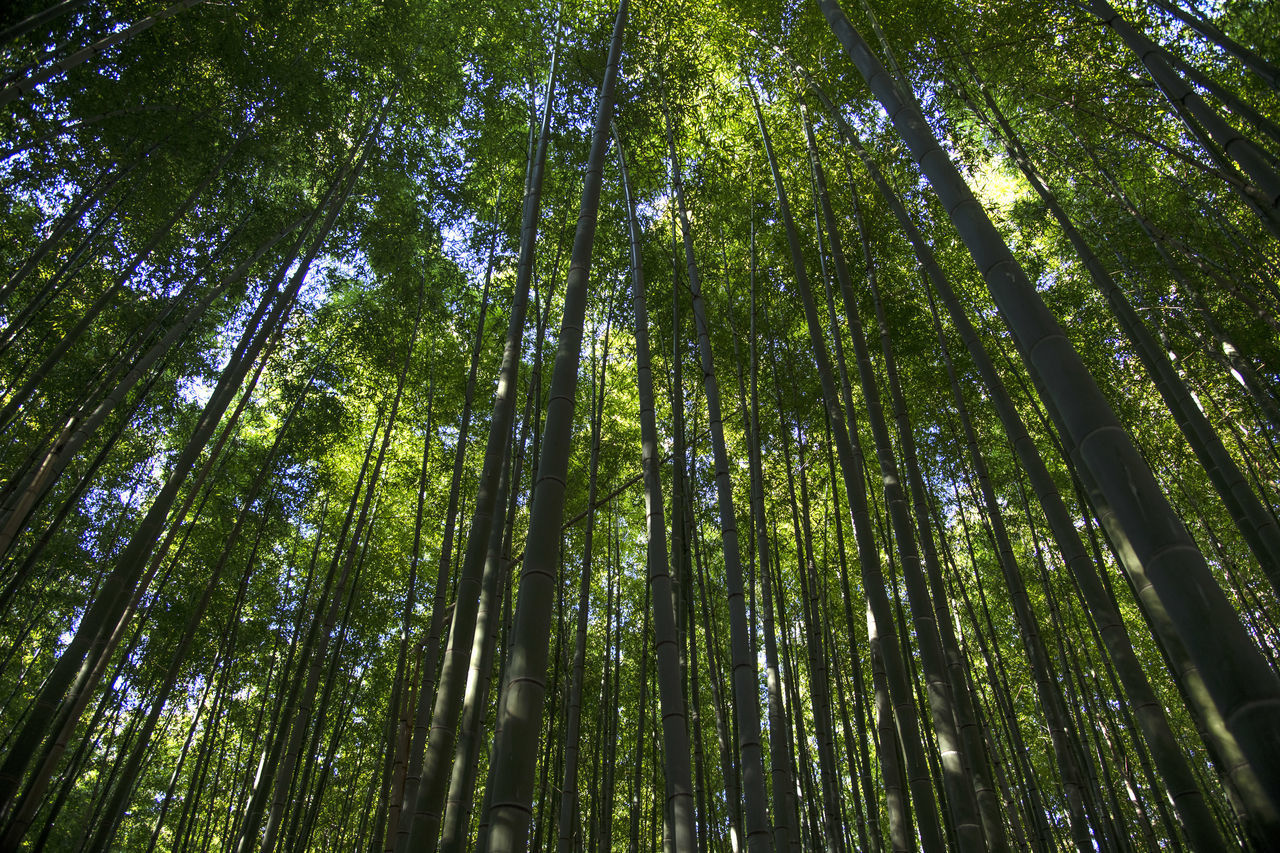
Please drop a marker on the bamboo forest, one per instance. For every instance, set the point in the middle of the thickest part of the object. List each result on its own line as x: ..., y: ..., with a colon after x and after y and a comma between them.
x: 696, y: 426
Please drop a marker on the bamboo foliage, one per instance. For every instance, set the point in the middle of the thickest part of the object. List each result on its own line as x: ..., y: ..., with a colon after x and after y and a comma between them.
x: 938, y: 510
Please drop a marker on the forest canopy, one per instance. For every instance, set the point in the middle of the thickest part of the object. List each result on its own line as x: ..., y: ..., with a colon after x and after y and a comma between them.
x: 582, y: 426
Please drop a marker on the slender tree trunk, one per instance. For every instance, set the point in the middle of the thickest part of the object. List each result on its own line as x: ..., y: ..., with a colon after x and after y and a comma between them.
x: 22, y: 397
x: 1267, y: 71
x: 675, y: 736
x: 569, y: 807
x: 463, y: 776
x: 420, y: 825
x: 730, y: 776
x: 1257, y: 526
x: 745, y: 682
x: 1229, y: 98
x: 874, y: 588
x: 92, y: 195
x: 409, y: 703
x: 428, y: 664
x: 819, y: 676
x: 73, y: 674
x: 30, y: 78
x: 521, y: 704
x: 71, y: 266
x: 85, y: 423
x: 959, y: 788
x: 288, y: 729
x: 1184, y: 792
x: 1166, y: 568
x: 633, y: 844
x: 115, y: 805
x: 310, y: 713
x: 779, y: 747
x: 1193, y: 109
x: 39, y: 19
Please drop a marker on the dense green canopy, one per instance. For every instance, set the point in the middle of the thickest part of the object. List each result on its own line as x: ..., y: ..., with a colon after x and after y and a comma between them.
x: 725, y: 426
